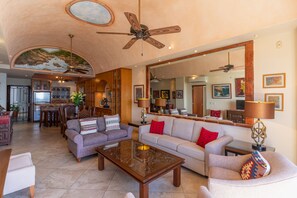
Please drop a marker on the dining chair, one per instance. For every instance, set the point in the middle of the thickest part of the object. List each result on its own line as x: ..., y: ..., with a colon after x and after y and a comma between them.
x: 84, y: 114
x: 62, y: 120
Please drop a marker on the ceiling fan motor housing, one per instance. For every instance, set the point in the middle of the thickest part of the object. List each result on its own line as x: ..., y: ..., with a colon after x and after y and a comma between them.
x: 140, y: 34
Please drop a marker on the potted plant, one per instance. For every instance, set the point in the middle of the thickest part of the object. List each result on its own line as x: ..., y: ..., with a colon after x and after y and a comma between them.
x: 77, y: 99
x: 15, y: 108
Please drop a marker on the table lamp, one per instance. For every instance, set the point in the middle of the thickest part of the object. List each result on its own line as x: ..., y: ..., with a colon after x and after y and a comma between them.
x: 144, y: 103
x: 257, y: 109
x: 160, y: 102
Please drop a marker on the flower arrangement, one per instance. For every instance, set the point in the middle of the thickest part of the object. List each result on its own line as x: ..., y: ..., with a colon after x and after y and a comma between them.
x: 77, y: 98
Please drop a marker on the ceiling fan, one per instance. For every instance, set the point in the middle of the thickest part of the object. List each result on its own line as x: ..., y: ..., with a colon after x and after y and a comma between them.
x: 140, y: 31
x: 71, y: 68
x: 154, y: 78
x: 225, y: 68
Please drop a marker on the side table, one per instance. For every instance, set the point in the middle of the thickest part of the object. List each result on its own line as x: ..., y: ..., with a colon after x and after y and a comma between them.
x: 242, y: 148
x: 137, y: 124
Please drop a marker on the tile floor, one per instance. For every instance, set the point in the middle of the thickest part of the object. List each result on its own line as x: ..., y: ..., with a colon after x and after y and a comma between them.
x: 59, y: 175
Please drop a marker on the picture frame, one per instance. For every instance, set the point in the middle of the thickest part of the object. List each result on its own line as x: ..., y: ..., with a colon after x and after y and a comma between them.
x: 277, y: 80
x: 239, y: 87
x: 165, y: 94
x: 156, y: 94
x: 277, y: 98
x: 179, y: 94
x: 138, y: 92
x: 173, y: 95
x: 221, y: 91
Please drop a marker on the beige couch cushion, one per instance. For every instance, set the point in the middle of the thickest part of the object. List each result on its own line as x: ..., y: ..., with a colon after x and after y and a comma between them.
x: 168, y: 124
x: 222, y: 173
x: 170, y: 142
x: 207, y: 125
x: 191, y: 149
x: 183, y: 129
x: 151, y: 137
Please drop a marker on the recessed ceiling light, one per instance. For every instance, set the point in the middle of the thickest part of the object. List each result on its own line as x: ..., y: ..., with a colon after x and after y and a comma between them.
x: 195, y: 51
x: 204, y: 54
x: 170, y: 47
x: 135, y: 66
x: 256, y: 36
x: 159, y: 60
x: 169, y: 63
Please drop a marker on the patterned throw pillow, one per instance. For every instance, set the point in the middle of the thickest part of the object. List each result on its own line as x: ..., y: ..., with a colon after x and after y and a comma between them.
x: 206, y: 136
x: 215, y: 113
x: 174, y: 111
x: 88, y: 126
x: 255, y: 167
x: 112, y: 122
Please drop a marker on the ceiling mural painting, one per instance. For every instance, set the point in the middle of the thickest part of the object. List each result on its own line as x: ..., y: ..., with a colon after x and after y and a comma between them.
x: 53, y: 60
x: 91, y: 11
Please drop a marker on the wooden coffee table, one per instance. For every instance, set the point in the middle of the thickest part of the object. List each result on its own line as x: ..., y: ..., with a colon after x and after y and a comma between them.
x: 144, y: 163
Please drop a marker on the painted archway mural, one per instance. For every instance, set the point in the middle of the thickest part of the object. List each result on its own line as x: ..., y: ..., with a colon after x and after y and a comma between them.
x: 52, y: 60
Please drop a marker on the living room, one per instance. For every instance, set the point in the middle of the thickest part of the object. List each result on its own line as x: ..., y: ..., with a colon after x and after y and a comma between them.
x: 205, y: 26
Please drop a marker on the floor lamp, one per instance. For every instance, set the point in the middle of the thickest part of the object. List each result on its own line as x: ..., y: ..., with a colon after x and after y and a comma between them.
x: 263, y: 110
x: 160, y: 102
x: 144, y: 103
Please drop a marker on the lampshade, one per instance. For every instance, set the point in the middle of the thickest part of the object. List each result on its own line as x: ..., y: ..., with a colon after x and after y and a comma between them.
x: 160, y: 102
x: 143, y: 102
x: 257, y: 109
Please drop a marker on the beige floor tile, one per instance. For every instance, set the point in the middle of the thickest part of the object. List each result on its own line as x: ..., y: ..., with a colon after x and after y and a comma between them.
x: 84, y: 194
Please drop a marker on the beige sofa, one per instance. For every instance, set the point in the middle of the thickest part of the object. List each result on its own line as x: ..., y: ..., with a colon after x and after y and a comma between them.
x: 180, y: 137
x: 225, y: 181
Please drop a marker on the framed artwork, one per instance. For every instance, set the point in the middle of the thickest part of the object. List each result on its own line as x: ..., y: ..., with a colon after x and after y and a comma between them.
x: 173, y: 95
x: 274, y: 80
x: 165, y: 94
x: 138, y: 92
x: 179, y: 94
x: 277, y: 98
x: 156, y: 94
x: 239, y: 87
x: 221, y: 91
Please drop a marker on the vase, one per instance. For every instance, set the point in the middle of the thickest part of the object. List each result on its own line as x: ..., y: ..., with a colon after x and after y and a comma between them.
x: 76, y: 109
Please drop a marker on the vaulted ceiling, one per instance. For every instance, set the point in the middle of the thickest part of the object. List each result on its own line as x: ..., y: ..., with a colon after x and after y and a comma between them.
x: 33, y: 23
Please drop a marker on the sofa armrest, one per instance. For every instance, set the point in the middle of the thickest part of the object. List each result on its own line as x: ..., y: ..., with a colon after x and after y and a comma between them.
x: 74, y: 136
x: 216, y: 147
x: 143, y: 129
x: 228, y: 162
x: 203, y: 192
x: 128, y: 128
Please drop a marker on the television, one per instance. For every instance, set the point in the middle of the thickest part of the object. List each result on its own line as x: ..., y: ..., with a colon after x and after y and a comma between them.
x: 240, y: 104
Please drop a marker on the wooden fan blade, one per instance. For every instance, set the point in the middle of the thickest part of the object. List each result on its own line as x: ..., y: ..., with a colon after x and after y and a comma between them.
x: 82, y: 72
x: 130, y: 43
x: 165, y: 30
x: 82, y: 69
x: 67, y: 71
x: 117, y: 33
x: 154, y: 42
x: 133, y: 21
x: 214, y: 70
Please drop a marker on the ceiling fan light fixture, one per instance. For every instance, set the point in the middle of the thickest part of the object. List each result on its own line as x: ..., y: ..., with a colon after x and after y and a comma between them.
x: 155, y: 80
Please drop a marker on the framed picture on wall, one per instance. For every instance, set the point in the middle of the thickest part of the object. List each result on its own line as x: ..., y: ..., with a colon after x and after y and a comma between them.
x: 138, y: 92
x: 277, y: 98
x: 274, y: 80
x: 179, y: 94
x: 165, y: 94
x: 173, y: 95
x: 221, y: 91
x: 156, y: 94
x: 239, y: 87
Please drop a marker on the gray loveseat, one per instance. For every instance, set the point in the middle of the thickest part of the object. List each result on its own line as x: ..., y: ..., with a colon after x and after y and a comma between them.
x: 85, y: 145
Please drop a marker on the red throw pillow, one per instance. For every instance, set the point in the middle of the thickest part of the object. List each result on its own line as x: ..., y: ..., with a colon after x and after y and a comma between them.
x: 206, y: 136
x: 215, y: 113
x: 157, y: 127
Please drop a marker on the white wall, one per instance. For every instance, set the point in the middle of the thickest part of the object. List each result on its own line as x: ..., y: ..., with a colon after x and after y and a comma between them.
x: 281, y: 131
x: 19, y: 81
x: 3, y: 89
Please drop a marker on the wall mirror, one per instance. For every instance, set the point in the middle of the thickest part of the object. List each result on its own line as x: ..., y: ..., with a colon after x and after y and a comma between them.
x: 212, y: 85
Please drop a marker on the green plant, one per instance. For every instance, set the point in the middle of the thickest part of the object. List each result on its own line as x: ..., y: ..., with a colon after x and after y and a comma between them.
x: 14, y: 107
x: 77, y: 98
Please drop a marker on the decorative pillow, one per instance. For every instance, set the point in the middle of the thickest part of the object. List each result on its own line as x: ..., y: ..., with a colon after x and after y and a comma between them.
x: 88, y: 126
x: 112, y: 122
x: 173, y: 111
x: 157, y: 127
x: 215, y: 113
x: 206, y: 136
x: 255, y: 167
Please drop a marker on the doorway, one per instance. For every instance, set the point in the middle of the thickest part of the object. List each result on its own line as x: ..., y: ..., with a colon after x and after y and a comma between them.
x: 198, y: 100
x: 20, y: 96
